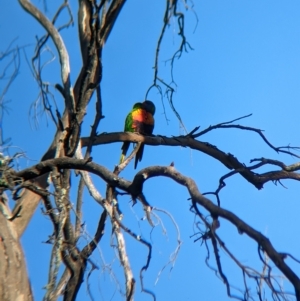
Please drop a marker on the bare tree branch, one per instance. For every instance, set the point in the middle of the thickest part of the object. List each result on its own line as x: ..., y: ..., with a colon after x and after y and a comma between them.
x: 61, y: 49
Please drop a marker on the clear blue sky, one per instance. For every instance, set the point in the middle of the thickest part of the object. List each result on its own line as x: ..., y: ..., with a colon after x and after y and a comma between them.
x: 246, y: 59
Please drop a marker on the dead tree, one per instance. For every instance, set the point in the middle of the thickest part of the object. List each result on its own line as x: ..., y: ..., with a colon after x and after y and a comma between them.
x: 96, y: 21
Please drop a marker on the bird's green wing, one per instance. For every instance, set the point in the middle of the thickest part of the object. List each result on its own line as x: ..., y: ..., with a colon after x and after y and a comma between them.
x: 128, y: 123
x: 129, y: 128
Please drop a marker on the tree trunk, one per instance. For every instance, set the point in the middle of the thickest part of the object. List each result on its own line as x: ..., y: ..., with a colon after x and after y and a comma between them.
x: 14, y: 282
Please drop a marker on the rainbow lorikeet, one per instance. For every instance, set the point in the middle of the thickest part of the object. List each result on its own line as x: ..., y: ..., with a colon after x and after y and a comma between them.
x: 139, y: 120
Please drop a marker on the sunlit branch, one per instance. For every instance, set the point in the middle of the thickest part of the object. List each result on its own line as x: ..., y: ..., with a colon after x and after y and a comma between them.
x: 146, y: 266
x: 110, y: 19
x: 60, y: 46
x: 36, y: 62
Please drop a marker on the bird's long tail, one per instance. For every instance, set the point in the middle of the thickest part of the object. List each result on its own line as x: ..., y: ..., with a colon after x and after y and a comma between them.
x: 139, y: 155
x: 125, y: 147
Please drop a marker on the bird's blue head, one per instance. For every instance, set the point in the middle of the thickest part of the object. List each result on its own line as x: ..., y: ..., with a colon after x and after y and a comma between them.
x: 149, y: 106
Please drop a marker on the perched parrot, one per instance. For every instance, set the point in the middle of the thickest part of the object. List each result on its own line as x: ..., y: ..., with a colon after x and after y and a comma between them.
x: 139, y: 120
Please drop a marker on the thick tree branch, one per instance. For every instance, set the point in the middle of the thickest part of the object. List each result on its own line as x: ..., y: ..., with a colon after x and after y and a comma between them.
x: 258, y: 180
x: 110, y: 19
x: 29, y: 201
x: 135, y: 189
x: 198, y: 199
x: 15, y: 284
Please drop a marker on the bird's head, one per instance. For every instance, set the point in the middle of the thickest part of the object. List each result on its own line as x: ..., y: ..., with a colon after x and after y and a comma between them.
x: 149, y: 106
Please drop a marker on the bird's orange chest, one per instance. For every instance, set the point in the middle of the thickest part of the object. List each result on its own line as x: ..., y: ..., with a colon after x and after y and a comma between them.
x: 142, y: 116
